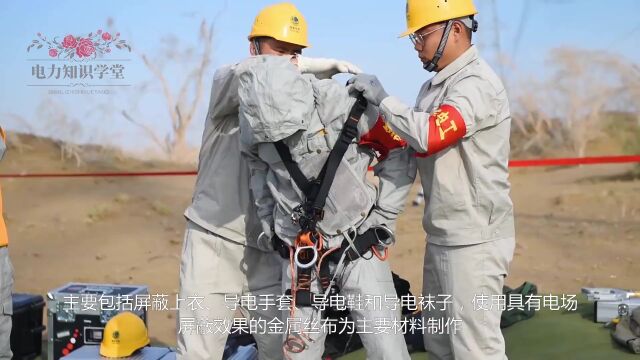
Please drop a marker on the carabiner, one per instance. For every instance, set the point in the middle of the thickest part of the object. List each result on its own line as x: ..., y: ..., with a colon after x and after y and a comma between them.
x: 384, y: 235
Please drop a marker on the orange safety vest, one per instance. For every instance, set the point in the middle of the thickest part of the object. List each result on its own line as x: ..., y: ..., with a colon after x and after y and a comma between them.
x: 4, y: 239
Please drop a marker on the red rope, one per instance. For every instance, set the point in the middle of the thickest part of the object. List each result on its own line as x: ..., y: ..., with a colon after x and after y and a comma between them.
x: 513, y: 163
x: 576, y: 161
x: 100, y: 174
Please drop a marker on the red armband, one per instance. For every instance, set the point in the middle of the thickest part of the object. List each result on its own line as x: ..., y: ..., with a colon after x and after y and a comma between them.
x: 446, y: 127
x: 382, y: 139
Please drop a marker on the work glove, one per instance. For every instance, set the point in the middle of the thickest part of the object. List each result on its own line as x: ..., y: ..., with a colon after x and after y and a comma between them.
x: 378, y: 217
x: 370, y: 87
x: 325, y: 68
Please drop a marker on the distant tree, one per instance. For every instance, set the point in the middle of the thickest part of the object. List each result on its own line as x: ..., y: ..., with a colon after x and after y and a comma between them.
x: 181, y: 102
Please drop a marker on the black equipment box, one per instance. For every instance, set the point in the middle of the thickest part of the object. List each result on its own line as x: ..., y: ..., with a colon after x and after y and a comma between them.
x: 26, y: 328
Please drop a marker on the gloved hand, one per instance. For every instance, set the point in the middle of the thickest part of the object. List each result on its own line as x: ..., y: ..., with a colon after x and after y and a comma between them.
x: 370, y: 87
x: 325, y: 68
x: 377, y: 217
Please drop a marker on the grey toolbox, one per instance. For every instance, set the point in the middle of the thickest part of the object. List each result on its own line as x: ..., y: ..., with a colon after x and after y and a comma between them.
x: 78, y: 312
x: 610, y: 303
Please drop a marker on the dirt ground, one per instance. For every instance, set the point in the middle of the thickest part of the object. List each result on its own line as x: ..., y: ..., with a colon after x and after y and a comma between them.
x: 576, y: 227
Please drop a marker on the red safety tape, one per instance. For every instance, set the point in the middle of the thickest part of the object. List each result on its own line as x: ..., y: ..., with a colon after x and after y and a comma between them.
x: 513, y: 163
x: 99, y: 174
x: 576, y: 161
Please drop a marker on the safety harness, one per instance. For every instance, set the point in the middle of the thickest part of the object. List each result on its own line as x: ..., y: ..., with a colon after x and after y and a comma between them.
x: 308, y: 248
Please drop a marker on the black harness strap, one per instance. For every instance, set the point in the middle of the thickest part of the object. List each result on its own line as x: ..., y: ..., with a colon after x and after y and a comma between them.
x: 296, y: 174
x: 316, y: 191
x: 348, y: 133
x: 362, y: 243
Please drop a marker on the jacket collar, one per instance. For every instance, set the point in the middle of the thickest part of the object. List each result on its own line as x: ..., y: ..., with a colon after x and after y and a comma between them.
x: 458, y: 64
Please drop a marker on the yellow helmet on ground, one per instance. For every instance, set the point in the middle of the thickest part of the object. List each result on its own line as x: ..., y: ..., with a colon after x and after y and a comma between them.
x: 421, y: 13
x: 283, y: 22
x: 124, y: 334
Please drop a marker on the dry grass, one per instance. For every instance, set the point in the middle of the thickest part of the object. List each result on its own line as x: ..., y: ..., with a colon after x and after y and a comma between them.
x: 99, y: 213
x: 571, y: 109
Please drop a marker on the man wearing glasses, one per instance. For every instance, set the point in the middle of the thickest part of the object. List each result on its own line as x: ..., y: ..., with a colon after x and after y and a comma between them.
x: 460, y: 130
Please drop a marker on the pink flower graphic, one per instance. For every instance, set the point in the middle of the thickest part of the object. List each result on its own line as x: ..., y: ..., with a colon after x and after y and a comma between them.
x: 69, y: 42
x: 79, y: 48
x: 85, y: 48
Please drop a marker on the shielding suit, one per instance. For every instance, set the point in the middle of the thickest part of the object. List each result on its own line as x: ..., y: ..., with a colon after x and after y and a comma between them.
x: 307, y: 114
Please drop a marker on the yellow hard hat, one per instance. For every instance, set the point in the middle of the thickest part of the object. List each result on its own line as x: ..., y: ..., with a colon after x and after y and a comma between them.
x: 421, y: 13
x: 283, y: 22
x: 124, y: 334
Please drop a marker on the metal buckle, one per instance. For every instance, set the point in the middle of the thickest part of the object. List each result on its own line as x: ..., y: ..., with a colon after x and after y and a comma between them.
x: 297, y: 214
x: 384, y: 235
x: 296, y: 257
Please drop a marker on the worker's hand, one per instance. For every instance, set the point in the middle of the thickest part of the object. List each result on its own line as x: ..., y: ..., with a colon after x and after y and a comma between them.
x: 370, y: 87
x: 325, y: 68
x: 377, y: 217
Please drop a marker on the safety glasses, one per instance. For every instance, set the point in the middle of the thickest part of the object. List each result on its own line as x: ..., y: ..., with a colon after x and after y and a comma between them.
x: 419, y: 38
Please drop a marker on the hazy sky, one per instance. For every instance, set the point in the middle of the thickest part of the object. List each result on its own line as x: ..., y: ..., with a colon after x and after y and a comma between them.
x: 364, y: 32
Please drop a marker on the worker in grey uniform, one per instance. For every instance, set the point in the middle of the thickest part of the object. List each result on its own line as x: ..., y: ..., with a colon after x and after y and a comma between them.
x: 221, y: 260
x: 281, y: 107
x: 460, y: 128
x: 6, y: 275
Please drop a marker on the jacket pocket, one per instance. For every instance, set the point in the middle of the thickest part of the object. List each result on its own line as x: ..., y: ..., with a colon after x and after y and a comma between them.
x: 494, y: 206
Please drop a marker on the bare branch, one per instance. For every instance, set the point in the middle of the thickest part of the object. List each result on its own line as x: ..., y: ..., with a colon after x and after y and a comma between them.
x: 148, y: 130
x: 207, y: 37
x: 166, y: 90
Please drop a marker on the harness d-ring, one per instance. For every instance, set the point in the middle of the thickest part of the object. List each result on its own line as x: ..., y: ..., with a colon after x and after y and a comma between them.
x: 384, y: 235
x: 295, y: 344
x: 312, y: 262
x: 385, y: 238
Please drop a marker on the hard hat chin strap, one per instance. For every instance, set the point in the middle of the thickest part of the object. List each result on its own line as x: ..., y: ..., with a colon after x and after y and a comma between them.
x: 433, y: 63
x: 256, y: 45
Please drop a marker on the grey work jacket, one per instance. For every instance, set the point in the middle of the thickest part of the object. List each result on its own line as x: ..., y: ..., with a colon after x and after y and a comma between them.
x: 466, y: 185
x: 222, y: 201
